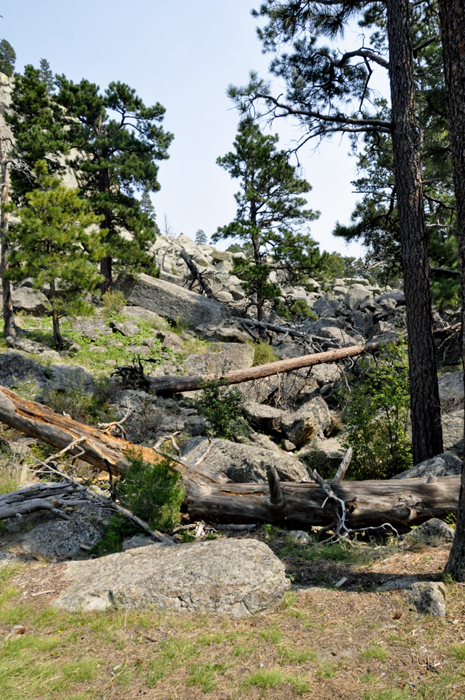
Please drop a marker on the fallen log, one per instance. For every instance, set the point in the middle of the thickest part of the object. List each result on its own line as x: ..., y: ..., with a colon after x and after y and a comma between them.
x: 173, y: 385
x: 97, y: 447
x: 400, y: 502
x: 40, y: 497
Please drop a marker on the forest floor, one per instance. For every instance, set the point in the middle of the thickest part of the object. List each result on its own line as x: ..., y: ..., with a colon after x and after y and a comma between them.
x: 324, y: 642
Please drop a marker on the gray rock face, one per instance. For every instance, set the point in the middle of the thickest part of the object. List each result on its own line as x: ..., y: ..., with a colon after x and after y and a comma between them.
x: 233, y: 577
x: 169, y: 300
x: 232, y: 356
x: 432, y: 532
x: 136, y: 541
x: 302, y: 425
x: 263, y: 417
x: 451, y: 389
x: 245, y: 462
x: 18, y: 372
x: 61, y: 538
x: 446, y: 464
x: 170, y: 340
x: 145, y: 315
x: 92, y: 329
x: 127, y: 328
x: 356, y: 294
x: 429, y: 598
x: 30, y: 300
x: 452, y: 431
x: 65, y: 377
x: 32, y: 347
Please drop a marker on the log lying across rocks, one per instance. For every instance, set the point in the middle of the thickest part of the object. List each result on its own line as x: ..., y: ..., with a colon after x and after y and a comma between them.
x: 173, y: 385
x: 400, y: 502
x: 368, y: 503
x: 41, y: 497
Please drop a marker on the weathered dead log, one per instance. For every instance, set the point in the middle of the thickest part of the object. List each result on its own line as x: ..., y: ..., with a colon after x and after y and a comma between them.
x: 92, y: 445
x: 172, y: 385
x: 40, y: 497
x: 399, y: 502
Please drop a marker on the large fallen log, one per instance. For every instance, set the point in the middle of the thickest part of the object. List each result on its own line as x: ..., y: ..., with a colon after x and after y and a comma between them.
x: 172, y: 385
x: 94, y: 446
x: 400, y: 502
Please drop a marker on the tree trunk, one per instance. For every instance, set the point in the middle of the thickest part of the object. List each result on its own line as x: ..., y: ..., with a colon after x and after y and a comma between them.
x: 57, y: 339
x: 400, y: 502
x: 424, y: 393
x: 106, y: 269
x: 173, y: 385
x: 9, y: 329
x: 452, y: 18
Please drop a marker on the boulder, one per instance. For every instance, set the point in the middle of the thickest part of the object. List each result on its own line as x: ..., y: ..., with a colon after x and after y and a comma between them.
x: 171, y: 341
x: 92, y: 328
x: 429, y: 598
x: 233, y: 577
x: 431, y: 532
x: 61, y: 538
x: 65, y: 377
x: 32, y: 347
x: 446, y: 464
x: 127, y: 328
x: 264, y: 418
x: 355, y: 295
x: 22, y: 374
x: 451, y: 389
x: 30, y: 300
x: 169, y: 300
x: 303, y: 425
x: 145, y: 315
x: 326, y: 308
x: 245, y: 462
x: 231, y: 356
x: 452, y: 431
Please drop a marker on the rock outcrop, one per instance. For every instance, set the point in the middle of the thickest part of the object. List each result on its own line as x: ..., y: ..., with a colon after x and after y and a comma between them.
x: 233, y: 577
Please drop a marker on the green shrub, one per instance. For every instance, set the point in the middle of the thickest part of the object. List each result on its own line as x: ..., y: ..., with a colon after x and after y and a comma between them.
x: 301, y: 308
x: 263, y: 353
x: 80, y: 403
x: 153, y: 492
x: 113, y: 302
x: 377, y: 417
x: 222, y: 407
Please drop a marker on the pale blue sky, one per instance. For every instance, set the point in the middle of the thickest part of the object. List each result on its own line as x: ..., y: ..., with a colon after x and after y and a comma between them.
x: 182, y: 54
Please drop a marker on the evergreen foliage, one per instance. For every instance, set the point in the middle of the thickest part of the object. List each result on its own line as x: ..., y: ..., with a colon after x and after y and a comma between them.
x: 222, y: 407
x: 117, y: 140
x: 7, y: 58
x: 269, y: 216
x: 37, y: 124
x: 377, y: 416
x: 201, y: 237
x: 46, y: 74
x: 57, y: 242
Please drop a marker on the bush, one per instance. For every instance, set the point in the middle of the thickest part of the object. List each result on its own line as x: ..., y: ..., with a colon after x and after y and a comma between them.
x: 377, y: 417
x: 222, y: 407
x: 113, y: 302
x: 263, y: 353
x: 81, y: 404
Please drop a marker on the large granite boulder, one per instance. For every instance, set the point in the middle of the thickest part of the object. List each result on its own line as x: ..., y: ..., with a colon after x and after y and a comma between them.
x: 303, y: 425
x: 356, y: 294
x: 231, y: 356
x: 233, y: 577
x: 446, y: 464
x: 429, y: 598
x: 169, y: 300
x: 30, y: 300
x: 452, y: 431
x: 451, y: 390
x: 22, y: 374
x: 245, y: 462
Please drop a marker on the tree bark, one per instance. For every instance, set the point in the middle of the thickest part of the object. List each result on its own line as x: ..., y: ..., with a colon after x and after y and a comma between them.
x: 424, y: 392
x: 106, y: 269
x: 9, y: 329
x: 400, y: 502
x: 173, y: 385
x: 452, y: 19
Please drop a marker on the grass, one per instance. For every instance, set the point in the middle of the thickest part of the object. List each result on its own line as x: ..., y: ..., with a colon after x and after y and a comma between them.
x: 127, y: 654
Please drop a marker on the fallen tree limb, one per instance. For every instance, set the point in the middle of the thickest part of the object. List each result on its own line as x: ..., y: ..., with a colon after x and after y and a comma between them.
x: 98, y: 448
x: 400, y: 502
x: 172, y: 385
x: 39, y: 497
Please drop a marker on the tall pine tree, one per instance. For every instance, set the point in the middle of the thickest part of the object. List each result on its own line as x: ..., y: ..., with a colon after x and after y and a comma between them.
x: 116, y: 141
x: 270, y: 213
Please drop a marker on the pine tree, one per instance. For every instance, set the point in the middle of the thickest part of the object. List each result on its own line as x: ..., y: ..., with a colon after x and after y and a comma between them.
x: 56, y: 241
x: 46, y: 74
x: 201, y: 237
x: 113, y: 158
x: 328, y: 91
x: 269, y: 212
x: 7, y: 58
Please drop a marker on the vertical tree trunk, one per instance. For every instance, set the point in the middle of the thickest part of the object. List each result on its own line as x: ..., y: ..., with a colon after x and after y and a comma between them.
x: 9, y: 328
x: 424, y: 402
x: 57, y: 339
x: 106, y: 269
x: 452, y: 18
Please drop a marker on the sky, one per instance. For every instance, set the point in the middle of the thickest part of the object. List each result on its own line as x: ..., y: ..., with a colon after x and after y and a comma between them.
x: 182, y: 54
